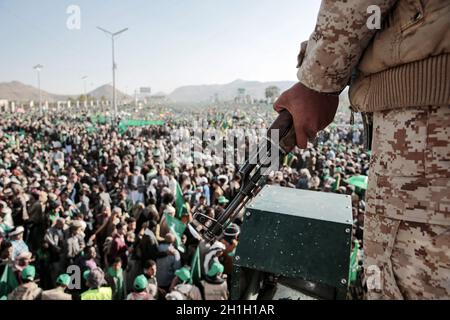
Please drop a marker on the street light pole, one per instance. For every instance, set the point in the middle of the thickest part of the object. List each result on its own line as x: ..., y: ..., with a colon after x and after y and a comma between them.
x: 113, y: 35
x: 84, y: 90
x: 114, y: 80
x: 84, y: 85
x: 38, y: 68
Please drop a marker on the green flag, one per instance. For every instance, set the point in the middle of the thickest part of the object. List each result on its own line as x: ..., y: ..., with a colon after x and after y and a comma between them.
x: 354, y: 266
x: 124, y: 124
x: 8, y: 282
x: 91, y: 129
x: 122, y: 128
x: 177, y: 228
x: 180, y: 204
x: 358, y: 181
x: 336, y: 183
x: 196, y: 271
x: 11, y: 139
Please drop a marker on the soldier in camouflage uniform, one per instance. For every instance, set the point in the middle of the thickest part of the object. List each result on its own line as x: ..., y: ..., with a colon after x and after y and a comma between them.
x: 401, y: 75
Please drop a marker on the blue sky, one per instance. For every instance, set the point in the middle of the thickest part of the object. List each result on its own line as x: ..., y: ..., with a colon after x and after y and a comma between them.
x: 169, y: 42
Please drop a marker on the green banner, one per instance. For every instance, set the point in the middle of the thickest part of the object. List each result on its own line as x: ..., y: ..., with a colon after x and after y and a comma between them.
x: 99, y: 119
x: 179, y: 202
x: 142, y: 123
x: 8, y: 282
x: 196, y: 271
x: 177, y: 229
x: 124, y: 124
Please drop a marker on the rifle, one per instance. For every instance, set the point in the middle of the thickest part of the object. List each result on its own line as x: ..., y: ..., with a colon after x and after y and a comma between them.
x: 253, y: 177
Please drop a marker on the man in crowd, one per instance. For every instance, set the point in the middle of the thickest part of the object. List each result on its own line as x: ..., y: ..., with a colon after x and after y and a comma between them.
x: 96, y: 284
x: 140, y: 287
x: 28, y: 290
x: 58, y: 293
x: 167, y: 265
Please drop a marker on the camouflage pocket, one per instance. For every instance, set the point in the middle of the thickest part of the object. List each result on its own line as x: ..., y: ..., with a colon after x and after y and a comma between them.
x: 413, y: 142
x: 399, y: 142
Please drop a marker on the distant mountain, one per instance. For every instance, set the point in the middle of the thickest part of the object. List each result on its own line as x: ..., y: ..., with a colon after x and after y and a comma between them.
x: 199, y: 93
x: 18, y: 91
x: 107, y: 91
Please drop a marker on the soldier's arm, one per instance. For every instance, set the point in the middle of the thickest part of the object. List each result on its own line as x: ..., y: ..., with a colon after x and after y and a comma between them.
x: 341, y: 35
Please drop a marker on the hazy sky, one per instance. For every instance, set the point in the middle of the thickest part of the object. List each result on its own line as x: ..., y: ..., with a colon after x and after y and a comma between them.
x: 169, y: 42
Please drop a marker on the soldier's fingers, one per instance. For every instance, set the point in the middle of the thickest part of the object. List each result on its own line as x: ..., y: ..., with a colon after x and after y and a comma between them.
x: 300, y: 134
x: 281, y: 103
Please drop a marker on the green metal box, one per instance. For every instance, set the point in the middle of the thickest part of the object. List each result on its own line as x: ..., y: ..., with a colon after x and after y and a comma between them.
x: 298, y: 234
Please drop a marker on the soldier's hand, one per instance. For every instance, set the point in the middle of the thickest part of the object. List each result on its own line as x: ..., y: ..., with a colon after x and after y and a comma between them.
x: 311, y: 111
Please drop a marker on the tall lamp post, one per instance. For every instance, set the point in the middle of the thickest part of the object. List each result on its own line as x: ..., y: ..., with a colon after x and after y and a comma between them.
x: 84, y: 89
x: 38, y: 68
x: 84, y: 84
x: 113, y: 35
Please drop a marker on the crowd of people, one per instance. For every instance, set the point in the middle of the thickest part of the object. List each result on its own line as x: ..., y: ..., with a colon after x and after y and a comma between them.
x: 89, y: 212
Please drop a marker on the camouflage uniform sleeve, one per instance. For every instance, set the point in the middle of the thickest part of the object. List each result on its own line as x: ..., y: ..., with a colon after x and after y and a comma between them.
x: 339, y: 39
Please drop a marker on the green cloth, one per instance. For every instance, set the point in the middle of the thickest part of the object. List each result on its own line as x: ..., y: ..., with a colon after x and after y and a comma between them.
x: 43, y: 255
x: 222, y: 200
x: 180, y: 204
x: 177, y: 229
x: 29, y: 272
x: 63, y: 279
x: 99, y: 119
x: 336, y: 183
x: 53, y: 216
x: 215, y: 268
x: 287, y: 161
x: 8, y: 282
x: 140, y: 283
x: 358, y: 181
x: 196, y: 271
x: 142, y: 123
x: 124, y: 124
x: 117, y: 277
x: 225, y: 125
x: 354, y: 266
x: 183, y: 274
x: 5, y: 227
x: 11, y: 139
x: 91, y: 129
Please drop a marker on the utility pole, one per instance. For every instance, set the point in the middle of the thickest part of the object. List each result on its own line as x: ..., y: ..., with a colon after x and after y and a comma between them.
x: 84, y: 91
x: 38, y: 68
x: 113, y: 35
x: 136, y: 99
x: 84, y: 85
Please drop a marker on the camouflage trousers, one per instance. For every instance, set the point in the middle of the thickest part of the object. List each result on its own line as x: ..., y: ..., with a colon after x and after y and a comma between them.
x: 407, y: 221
